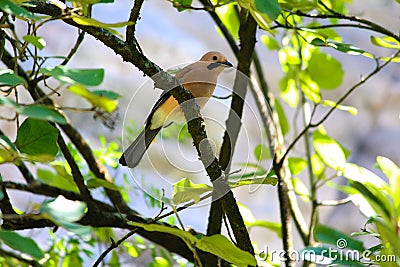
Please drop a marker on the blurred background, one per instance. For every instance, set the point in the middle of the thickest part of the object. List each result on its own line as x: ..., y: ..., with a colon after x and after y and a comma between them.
x: 174, y: 39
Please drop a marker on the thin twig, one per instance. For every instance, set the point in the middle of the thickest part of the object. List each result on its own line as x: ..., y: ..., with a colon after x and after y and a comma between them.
x: 377, y: 69
x: 338, y: 202
x: 113, y: 245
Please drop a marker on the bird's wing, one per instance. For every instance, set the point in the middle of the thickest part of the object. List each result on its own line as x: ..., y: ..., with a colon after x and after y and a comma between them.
x: 166, y: 94
x: 163, y: 97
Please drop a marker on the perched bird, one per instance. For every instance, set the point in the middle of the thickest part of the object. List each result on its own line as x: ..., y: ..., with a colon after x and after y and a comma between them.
x: 200, y: 78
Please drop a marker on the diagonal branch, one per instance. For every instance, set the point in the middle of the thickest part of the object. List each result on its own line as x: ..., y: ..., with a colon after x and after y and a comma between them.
x: 377, y: 69
x: 76, y: 174
x: 195, y: 126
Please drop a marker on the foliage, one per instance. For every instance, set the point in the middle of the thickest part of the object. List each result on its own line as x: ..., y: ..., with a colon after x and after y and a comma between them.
x: 57, y: 163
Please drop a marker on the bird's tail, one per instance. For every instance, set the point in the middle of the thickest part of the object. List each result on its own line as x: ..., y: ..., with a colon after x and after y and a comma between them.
x: 134, y: 153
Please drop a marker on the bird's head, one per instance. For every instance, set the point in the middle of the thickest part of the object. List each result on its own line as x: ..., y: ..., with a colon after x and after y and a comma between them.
x: 216, y: 60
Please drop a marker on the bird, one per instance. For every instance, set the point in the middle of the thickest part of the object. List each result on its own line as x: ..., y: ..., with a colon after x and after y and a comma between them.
x: 200, y: 78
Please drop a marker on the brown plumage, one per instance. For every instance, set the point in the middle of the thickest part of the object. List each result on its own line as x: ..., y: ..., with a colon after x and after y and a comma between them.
x: 200, y: 78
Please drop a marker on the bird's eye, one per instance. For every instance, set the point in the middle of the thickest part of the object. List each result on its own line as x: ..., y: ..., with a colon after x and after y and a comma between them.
x: 214, y: 57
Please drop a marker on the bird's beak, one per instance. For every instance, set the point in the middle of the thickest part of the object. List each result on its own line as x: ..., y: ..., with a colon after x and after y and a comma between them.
x: 218, y: 64
x: 227, y: 64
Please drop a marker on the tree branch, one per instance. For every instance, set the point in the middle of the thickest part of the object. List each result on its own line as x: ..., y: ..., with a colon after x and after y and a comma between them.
x: 76, y: 174
x: 377, y: 69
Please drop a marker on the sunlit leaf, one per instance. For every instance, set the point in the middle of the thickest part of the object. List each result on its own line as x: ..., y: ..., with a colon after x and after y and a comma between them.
x: 95, y: 23
x: 37, y: 41
x: 289, y: 92
x: 272, y: 226
x: 325, y: 70
x: 65, y: 213
x: 9, y: 78
x: 96, y: 99
x: 36, y: 137
x: 387, y: 42
x: 309, y: 87
x: 269, y: 42
x: 65, y: 182
x: 185, y: 190
x: 89, y: 77
x: 261, y: 152
x: 349, y: 109
x: 318, y: 166
x: 296, y: 165
x: 392, y: 171
x: 329, y: 150
x: 301, y: 189
x: 218, y: 245
x: 229, y: 17
x: 22, y: 244
x: 269, y: 179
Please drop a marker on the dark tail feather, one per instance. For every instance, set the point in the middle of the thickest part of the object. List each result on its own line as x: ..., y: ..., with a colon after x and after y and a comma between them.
x: 134, y: 153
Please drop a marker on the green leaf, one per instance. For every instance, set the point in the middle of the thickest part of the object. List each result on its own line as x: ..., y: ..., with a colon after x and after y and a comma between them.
x: 309, y: 87
x: 342, y: 47
x: 283, y: 122
x: 185, y: 190
x: 65, y: 213
x: 273, y: 226
x: 95, y: 23
x: 6, y: 155
x: 41, y: 112
x: 59, y: 180
x: 10, y: 7
x: 330, y: 235
x: 272, y: 180
x: 377, y: 199
x: 21, y: 244
x: 109, y: 94
x: 288, y: 91
x: 218, y: 245
x: 296, y: 165
x: 325, y: 70
x: 329, y: 150
x: 350, y: 109
x: 34, y: 111
x: 269, y: 42
x: 364, y: 176
x: 37, y: 41
x: 318, y: 166
x: 96, y: 182
x: 96, y: 99
x: 261, y: 152
x: 89, y: 77
x: 268, y: 7
x: 36, y: 137
x: 179, y: 4
x: 392, y: 172
x: 301, y: 189
x: 387, y: 42
x: 9, y: 78
x: 229, y: 17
